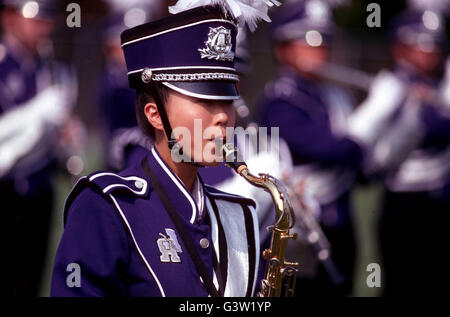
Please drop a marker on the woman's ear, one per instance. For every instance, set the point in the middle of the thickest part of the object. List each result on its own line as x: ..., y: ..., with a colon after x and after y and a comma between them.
x: 152, y: 114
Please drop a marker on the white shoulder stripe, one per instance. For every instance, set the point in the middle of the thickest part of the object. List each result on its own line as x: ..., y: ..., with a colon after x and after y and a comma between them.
x: 129, y: 178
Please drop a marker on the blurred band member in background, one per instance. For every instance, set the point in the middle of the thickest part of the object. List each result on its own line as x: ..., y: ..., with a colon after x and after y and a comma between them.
x: 115, y: 100
x: 35, y: 101
x: 311, y: 116
x: 413, y: 155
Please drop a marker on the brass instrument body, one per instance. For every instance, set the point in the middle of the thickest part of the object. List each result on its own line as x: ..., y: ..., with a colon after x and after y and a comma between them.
x: 278, y: 270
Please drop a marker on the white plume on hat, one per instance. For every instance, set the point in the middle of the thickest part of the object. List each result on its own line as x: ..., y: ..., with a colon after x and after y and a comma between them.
x: 244, y: 11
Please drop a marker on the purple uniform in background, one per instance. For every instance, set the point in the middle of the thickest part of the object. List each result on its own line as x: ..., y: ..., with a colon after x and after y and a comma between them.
x: 305, y: 112
x: 415, y: 215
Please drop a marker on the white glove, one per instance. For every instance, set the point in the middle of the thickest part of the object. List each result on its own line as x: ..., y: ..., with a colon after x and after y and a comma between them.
x: 51, y: 105
x: 23, y: 127
x: 385, y: 96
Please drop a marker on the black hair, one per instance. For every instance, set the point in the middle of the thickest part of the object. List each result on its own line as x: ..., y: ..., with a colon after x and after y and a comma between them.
x: 143, y: 97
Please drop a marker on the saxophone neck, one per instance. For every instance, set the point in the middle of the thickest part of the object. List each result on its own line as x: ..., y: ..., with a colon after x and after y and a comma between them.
x: 270, y: 184
x: 283, y: 209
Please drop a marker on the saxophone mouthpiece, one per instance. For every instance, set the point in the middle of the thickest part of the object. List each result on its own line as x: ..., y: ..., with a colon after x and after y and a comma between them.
x: 233, y: 158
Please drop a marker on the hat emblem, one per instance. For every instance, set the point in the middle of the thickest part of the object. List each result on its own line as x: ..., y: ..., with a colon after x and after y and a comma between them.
x: 218, y: 45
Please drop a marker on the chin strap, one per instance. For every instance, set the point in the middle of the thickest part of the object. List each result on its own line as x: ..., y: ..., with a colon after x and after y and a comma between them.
x: 172, y: 143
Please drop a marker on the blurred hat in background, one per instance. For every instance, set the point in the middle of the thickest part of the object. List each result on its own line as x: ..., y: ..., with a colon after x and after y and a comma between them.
x: 127, y: 14
x: 42, y: 9
x: 242, y: 58
x: 421, y: 25
x: 310, y: 21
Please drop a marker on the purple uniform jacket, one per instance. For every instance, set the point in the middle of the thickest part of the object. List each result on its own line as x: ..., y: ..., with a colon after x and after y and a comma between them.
x: 120, y: 236
x: 296, y: 106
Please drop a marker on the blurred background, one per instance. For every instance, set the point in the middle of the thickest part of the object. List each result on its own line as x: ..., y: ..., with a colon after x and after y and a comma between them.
x: 90, y: 51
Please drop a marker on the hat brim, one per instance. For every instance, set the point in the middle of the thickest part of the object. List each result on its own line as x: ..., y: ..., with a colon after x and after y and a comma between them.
x: 211, y: 90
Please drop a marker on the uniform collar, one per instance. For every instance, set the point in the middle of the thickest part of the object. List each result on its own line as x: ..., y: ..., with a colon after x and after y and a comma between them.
x: 198, y: 195
x: 187, y: 206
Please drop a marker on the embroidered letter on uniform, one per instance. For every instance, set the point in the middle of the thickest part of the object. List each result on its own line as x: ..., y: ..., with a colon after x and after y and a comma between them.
x: 169, y: 247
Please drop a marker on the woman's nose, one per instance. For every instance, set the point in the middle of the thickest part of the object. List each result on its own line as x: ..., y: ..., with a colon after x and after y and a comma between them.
x: 222, y: 114
x: 221, y: 119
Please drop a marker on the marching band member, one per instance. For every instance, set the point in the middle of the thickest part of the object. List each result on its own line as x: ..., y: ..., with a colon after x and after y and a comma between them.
x: 155, y: 229
x: 311, y: 117
x: 36, y: 97
x: 412, y: 154
x: 404, y: 124
x: 114, y: 98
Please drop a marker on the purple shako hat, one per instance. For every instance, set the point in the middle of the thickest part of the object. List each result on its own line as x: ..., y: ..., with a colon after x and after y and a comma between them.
x: 192, y: 52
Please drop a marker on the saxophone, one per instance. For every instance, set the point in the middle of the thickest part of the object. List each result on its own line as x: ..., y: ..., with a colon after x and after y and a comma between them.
x: 279, y: 274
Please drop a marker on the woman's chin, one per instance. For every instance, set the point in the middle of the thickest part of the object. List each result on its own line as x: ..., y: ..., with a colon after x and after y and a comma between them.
x: 211, y: 164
